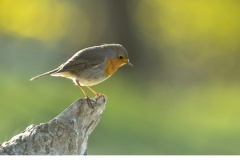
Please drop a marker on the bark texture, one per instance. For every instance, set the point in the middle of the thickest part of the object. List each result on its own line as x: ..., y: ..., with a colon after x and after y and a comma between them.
x: 66, y: 134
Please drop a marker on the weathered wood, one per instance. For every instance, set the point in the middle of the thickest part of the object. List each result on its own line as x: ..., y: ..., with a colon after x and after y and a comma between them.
x: 66, y: 134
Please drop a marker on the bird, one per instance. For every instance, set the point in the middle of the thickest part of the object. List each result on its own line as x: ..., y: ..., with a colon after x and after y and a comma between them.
x: 91, y: 66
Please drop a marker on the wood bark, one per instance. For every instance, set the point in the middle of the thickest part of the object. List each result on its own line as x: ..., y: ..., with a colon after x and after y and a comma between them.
x: 66, y: 134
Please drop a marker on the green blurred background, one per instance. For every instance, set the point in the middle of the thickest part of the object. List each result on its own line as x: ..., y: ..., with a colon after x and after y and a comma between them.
x: 181, y: 96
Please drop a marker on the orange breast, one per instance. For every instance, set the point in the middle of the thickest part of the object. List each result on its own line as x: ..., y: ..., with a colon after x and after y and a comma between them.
x: 112, y: 65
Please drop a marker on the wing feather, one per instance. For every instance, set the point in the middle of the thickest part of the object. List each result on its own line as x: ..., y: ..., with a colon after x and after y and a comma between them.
x: 84, y: 59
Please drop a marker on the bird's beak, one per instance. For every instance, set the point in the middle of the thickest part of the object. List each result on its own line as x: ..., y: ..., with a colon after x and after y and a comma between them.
x: 130, y: 64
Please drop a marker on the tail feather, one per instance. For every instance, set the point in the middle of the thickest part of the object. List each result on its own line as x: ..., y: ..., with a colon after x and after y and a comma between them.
x: 44, y: 74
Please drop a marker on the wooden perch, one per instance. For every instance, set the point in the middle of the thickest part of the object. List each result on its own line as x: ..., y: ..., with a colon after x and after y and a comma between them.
x: 66, y: 134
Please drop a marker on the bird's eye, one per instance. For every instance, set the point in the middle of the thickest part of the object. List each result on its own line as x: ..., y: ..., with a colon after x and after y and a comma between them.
x: 120, y: 57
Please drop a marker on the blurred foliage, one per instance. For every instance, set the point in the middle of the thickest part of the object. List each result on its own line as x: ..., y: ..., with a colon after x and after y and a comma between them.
x: 200, y: 36
x: 41, y: 19
x: 181, y: 96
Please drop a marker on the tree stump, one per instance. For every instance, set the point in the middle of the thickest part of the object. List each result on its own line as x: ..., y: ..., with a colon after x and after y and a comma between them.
x: 66, y: 134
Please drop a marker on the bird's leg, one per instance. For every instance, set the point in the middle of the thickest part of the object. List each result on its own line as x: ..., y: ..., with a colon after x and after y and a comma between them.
x: 97, y: 94
x: 87, y: 98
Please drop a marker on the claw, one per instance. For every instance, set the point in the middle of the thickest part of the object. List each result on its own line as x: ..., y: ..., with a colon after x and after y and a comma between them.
x: 100, y: 95
x: 89, y: 102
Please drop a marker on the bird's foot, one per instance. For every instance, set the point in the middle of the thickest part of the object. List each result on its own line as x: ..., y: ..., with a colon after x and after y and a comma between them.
x: 89, y: 102
x: 100, y: 95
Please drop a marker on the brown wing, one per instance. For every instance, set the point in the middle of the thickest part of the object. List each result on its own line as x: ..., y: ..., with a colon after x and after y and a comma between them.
x: 84, y: 59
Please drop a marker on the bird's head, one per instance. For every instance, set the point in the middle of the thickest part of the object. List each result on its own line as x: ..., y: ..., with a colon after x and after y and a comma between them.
x: 117, y: 57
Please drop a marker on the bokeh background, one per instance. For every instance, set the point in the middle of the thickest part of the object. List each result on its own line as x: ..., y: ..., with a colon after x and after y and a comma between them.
x: 181, y: 96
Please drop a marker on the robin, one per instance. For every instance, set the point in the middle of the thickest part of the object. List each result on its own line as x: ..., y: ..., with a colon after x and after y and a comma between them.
x: 91, y: 66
